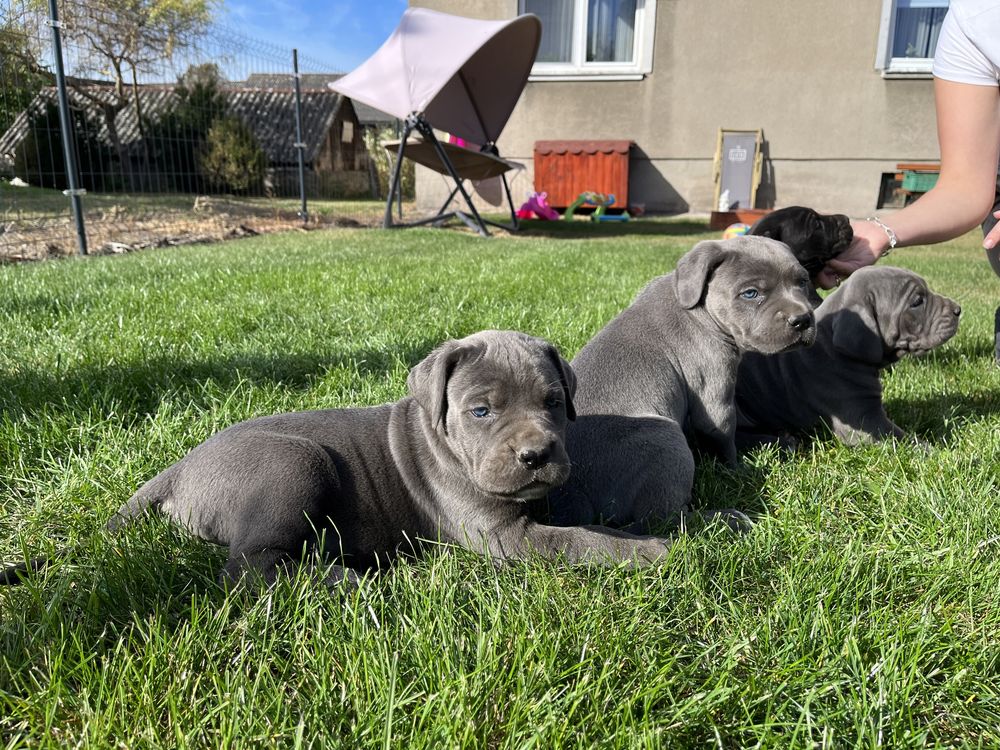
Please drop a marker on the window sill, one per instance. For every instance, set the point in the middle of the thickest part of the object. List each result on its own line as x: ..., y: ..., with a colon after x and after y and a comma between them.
x: 538, y: 78
x: 908, y: 67
x: 907, y: 74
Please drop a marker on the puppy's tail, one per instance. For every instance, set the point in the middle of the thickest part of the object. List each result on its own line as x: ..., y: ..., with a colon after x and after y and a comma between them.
x: 148, y: 497
x: 12, y: 574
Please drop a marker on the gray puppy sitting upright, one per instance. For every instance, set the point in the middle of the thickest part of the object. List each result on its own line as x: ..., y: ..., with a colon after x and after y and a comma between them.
x: 879, y: 315
x: 481, y: 433
x: 664, y: 371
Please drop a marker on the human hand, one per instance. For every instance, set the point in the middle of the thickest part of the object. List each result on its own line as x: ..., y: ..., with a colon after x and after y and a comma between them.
x: 868, y: 245
x: 990, y: 240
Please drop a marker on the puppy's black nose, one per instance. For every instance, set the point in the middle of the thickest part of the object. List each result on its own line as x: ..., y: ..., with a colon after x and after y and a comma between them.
x: 801, y: 322
x: 956, y: 309
x: 533, y: 458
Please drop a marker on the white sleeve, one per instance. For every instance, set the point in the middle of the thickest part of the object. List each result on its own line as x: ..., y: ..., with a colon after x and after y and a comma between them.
x: 956, y: 58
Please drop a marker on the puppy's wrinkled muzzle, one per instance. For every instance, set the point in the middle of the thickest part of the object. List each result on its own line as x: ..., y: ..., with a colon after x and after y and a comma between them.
x: 536, y: 455
x: 806, y: 329
x: 802, y: 322
x: 803, y: 329
x: 845, y: 233
x: 530, y: 464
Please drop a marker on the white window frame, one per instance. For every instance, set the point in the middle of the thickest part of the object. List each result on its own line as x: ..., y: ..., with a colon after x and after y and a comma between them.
x: 896, y: 67
x: 579, y: 70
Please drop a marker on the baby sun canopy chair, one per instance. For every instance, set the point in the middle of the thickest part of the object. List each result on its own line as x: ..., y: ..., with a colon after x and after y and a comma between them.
x: 459, y: 75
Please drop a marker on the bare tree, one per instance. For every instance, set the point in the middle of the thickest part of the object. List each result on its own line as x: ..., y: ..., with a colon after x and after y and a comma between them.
x: 120, y: 39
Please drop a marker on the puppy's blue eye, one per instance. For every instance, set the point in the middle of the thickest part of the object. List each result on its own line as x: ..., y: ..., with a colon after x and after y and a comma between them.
x: 552, y: 402
x: 749, y: 294
x: 480, y: 411
x: 918, y: 301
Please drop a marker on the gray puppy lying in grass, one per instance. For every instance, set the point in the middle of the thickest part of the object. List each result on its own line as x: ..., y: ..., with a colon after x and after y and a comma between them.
x: 481, y: 433
x: 877, y: 316
x: 665, y: 370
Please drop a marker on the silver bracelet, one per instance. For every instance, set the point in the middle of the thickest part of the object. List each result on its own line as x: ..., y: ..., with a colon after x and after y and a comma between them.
x: 888, y: 233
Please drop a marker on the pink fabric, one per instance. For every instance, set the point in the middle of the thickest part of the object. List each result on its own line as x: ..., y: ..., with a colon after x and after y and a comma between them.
x: 537, y: 204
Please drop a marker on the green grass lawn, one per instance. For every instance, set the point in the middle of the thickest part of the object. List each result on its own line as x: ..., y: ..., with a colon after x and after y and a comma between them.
x: 863, y: 609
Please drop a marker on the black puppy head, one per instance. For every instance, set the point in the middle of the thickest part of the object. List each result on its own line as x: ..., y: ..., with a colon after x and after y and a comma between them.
x: 500, y: 401
x: 881, y: 314
x: 814, y: 238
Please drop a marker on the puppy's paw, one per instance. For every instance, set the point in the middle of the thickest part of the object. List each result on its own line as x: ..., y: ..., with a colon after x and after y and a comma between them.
x: 342, y: 579
x: 923, y: 446
x: 788, y: 443
x: 784, y: 442
x: 737, y: 521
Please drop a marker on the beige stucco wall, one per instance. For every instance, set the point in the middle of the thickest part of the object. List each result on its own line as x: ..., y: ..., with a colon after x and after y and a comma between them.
x: 802, y: 71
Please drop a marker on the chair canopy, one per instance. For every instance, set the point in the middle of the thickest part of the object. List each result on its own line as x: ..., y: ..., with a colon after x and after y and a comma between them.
x: 463, y: 75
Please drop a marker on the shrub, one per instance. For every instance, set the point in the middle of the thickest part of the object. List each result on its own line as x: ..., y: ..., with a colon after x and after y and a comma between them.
x: 384, y: 163
x: 231, y: 159
x: 176, y: 139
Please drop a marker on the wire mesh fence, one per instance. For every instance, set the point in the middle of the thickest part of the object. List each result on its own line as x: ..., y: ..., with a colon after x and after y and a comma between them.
x: 181, y: 130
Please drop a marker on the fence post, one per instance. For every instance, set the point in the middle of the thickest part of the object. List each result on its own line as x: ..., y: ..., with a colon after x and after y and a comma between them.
x: 299, y: 144
x: 66, y: 129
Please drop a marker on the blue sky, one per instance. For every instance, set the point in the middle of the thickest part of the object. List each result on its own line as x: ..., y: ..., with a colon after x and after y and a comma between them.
x: 341, y: 33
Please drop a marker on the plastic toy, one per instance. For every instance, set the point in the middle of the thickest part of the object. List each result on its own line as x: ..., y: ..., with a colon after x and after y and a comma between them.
x: 735, y: 230
x: 537, y: 205
x: 602, y: 201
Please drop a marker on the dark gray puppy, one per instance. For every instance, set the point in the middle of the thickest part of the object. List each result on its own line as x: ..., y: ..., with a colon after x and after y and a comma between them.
x: 664, y: 371
x: 876, y: 317
x: 481, y: 433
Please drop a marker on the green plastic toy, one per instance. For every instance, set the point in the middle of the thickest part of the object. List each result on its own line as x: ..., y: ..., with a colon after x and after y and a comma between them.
x: 601, y: 201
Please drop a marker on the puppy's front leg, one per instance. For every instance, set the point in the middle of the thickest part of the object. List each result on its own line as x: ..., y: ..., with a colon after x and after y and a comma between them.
x: 868, y: 427
x: 594, y: 544
x: 714, y: 426
x: 720, y: 444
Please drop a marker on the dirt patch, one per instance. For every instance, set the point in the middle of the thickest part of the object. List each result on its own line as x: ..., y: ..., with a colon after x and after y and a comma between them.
x: 118, y: 229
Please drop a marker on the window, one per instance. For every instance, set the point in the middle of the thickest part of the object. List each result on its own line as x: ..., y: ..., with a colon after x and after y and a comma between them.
x: 908, y: 36
x: 593, y: 38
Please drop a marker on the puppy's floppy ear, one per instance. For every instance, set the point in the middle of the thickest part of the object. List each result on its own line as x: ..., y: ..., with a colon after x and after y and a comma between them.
x: 856, y: 334
x: 693, y: 271
x: 568, y: 379
x: 764, y: 228
x: 428, y: 380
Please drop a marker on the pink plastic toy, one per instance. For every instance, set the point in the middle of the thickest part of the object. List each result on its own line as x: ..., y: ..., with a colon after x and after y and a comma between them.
x: 537, y: 204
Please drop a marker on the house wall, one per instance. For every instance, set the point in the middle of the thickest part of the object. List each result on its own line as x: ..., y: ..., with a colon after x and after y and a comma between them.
x: 804, y: 72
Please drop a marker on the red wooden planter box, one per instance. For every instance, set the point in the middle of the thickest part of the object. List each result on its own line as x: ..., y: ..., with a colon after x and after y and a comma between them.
x: 722, y: 219
x: 564, y: 169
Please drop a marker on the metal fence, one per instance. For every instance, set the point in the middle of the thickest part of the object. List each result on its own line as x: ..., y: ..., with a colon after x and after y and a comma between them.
x: 118, y: 132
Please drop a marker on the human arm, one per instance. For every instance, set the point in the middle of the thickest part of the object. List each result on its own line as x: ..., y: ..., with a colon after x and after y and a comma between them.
x: 968, y: 117
x: 993, y: 236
